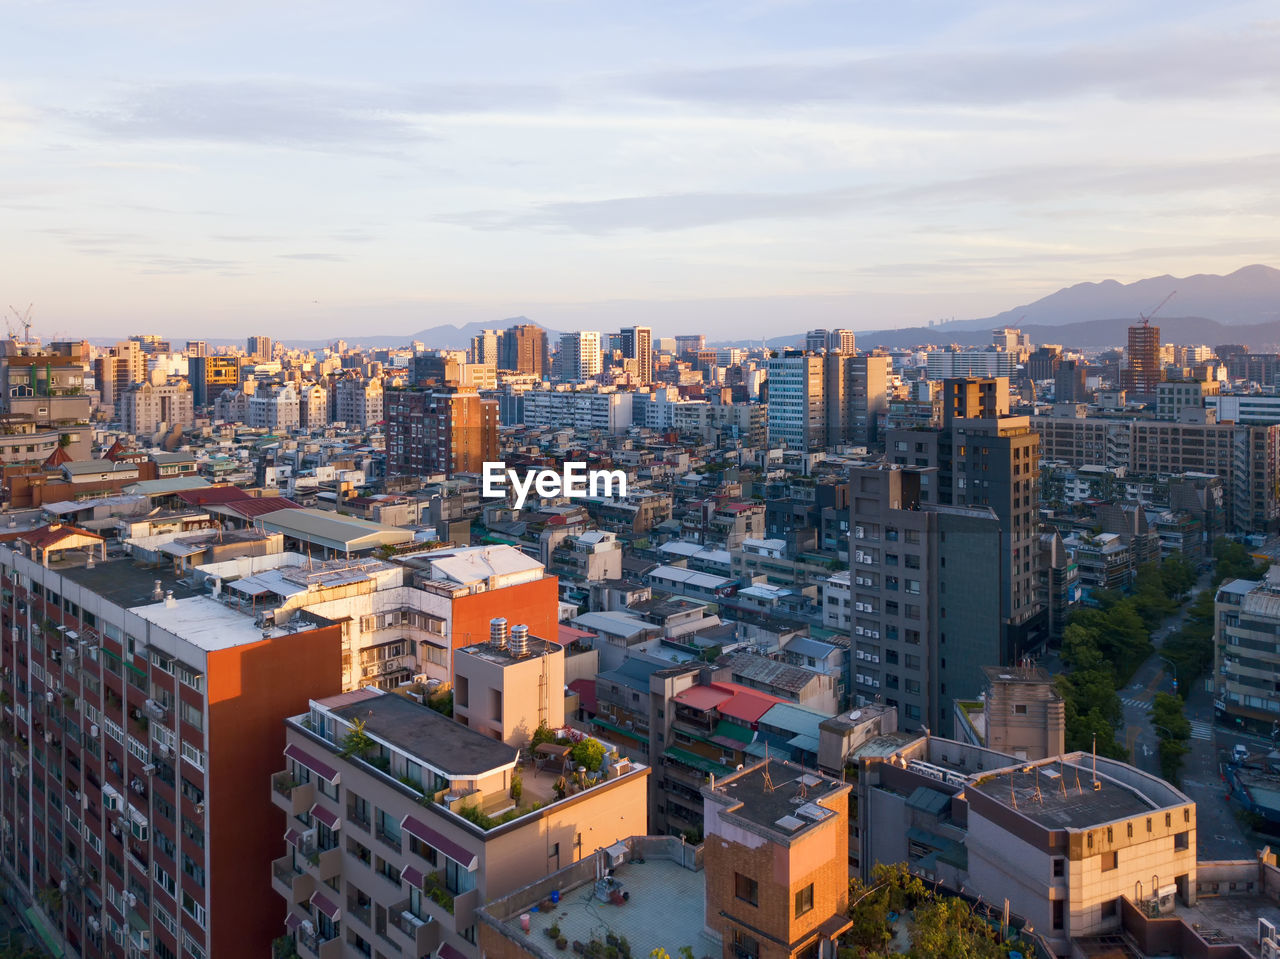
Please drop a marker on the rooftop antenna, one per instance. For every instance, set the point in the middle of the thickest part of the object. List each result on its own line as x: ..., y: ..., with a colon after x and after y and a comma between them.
x: 768, y: 780
x: 1095, y: 761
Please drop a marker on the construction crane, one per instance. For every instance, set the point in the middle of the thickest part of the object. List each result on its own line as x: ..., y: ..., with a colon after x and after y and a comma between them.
x: 1146, y: 318
x: 24, y: 321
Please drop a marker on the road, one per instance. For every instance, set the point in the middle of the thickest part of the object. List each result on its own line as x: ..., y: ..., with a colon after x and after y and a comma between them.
x: 1219, y: 834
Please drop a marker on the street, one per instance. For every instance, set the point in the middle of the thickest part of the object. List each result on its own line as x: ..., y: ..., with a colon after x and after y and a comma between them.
x: 1219, y: 834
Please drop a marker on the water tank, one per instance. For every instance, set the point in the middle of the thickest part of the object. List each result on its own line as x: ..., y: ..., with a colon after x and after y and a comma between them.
x: 520, y: 640
x: 498, y: 632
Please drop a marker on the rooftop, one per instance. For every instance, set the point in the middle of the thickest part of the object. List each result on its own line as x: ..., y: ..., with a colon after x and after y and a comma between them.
x: 126, y: 585
x: 665, y: 905
x: 784, y: 800
x: 503, y: 656
x: 421, y: 731
x: 210, y: 625
x: 1060, y: 795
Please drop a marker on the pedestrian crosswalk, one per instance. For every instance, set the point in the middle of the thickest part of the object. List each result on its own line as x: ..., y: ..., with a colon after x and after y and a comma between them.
x: 1201, y: 730
x: 1139, y: 703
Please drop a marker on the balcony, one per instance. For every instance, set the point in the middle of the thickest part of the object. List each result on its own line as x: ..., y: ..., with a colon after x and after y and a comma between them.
x: 415, y: 935
x: 323, y: 864
x: 360, y: 911
x: 310, y: 944
x: 290, y: 882
x: 291, y: 796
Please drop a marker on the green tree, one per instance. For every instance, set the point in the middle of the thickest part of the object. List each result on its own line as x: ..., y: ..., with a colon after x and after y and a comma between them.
x: 1233, y: 561
x: 947, y: 927
x: 588, y: 753
x: 356, y: 742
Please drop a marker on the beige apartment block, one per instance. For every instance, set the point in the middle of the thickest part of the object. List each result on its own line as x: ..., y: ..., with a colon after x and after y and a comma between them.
x: 508, y: 687
x: 401, y: 823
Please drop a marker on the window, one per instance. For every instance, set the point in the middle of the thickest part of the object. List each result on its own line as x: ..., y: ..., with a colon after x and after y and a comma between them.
x: 804, y: 900
x: 1108, y: 861
x: 1059, y: 866
x: 744, y: 946
x: 1057, y: 913
x: 1111, y: 909
x: 746, y: 889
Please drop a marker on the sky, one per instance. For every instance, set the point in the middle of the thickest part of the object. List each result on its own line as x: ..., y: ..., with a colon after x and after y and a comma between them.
x: 743, y: 169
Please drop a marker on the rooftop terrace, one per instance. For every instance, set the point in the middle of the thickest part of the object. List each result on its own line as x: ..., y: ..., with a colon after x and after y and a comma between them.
x: 1061, y: 795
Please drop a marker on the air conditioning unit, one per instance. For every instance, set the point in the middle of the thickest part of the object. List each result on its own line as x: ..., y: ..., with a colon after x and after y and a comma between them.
x: 48, y: 696
x: 861, y: 654
x: 166, y: 749
x: 93, y: 923
x: 72, y: 652
x: 875, y: 634
x: 875, y: 684
x: 875, y: 659
x: 131, y: 899
x: 93, y: 730
x: 308, y: 837
x: 857, y: 630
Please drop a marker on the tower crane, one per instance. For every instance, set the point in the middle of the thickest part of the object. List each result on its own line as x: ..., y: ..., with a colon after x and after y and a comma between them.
x: 1146, y: 318
x: 24, y: 321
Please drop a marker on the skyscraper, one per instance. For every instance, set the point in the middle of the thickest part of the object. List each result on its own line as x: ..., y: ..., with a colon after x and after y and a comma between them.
x: 637, y: 344
x: 987, y: 458
x: 579, y: 356
x: 484, y: 347
x: 259, y: 347
x: 524, y: 349
x: 1143, y: 371
x: 797, y: 401
x: 440, y: 431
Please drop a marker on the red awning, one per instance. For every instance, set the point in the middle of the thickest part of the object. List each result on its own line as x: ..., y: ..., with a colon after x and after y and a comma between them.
x: 325, y: 816
x: 321, y: 769
x: 292, y: 921
x: 458, y: 853
x: 413, y: 876
x: 292, y: 837
x: 326, y: 906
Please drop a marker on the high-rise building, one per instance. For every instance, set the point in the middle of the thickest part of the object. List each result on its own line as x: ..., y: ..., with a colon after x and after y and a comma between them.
x: 524, y: 349
x: 313, y: 406
x: 440, y: 432
x: 359, y: 402
x: 986, y: 458
x: 484, y: 347
x: 830, y: 341
x: 579, y: 356
x: 1069, y: 382
x: 210, y: 375
x: 856, y: 389
x: 146, y: 408
x: 274, y: 408
x: 1246, y: 661
x: 258, y: 347
x: 925, y: 617
x: 1143, y: 370
x: 637, y: 344
x: 150, y: 343
x: 797, y: 401
x: 690, y: 343
x: 197, y: 348
x: 145, y: 717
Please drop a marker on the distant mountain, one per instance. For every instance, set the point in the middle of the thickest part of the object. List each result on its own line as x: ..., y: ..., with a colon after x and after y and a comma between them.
x: 1242, y: 307
x: 1250, y: 295
x: 444, y: 337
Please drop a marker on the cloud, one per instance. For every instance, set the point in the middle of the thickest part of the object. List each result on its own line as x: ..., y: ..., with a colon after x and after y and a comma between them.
x: 1027, y: 186
x: 1200, y: 67
x: 322, y: 257
x: 299, y: 114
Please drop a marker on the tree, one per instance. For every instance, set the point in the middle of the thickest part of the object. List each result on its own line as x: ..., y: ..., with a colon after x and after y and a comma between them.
x: 588, y: 753
x: 947, y: 927
x: 1233, y: 561
x: 356, y: 742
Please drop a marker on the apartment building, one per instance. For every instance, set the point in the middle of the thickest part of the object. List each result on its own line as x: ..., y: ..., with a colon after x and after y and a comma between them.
x: 358, y: 402
x: 769, y: 883
x: 1064, y: 839
x: 1247, y: 651
x: 1245, y: 457
x: 797, y: 401
x: 275, y: 408
x: 637, y: 344
x: 988, y: 459
x: 1143, y: 371
x: 440, y: 431
x: 925, y: 616
x: 579, y: 357
x: 401, y: 823
x: 586, y: 409
x: 146, y: 408
x: 141, y: 717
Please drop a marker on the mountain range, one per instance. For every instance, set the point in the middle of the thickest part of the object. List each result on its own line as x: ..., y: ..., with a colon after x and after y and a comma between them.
x: 1241, y: 307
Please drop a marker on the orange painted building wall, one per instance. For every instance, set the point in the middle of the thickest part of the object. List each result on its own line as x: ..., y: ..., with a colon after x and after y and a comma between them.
x: 535, y: 604
x: 251, y: 690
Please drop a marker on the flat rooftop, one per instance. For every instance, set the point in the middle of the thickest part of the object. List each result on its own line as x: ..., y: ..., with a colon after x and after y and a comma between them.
x: 211, y: 625
x: 420, y: 731
x: 1060, y: 795
x: 666, y: 907
x: 125, y: 584
x: 503, y: 656
x: 778, y: 797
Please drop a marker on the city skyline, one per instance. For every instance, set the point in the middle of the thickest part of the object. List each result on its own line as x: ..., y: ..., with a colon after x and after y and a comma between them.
x: 737, y: 166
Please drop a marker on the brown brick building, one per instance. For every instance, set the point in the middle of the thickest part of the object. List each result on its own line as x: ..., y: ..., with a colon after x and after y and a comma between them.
x: 440, y: 431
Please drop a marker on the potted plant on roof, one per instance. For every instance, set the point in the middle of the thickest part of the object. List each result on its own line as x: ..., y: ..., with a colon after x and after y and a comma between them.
x: 356, y: 742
